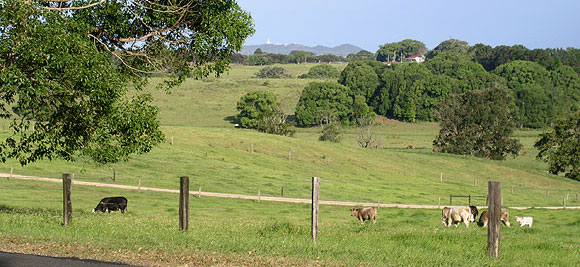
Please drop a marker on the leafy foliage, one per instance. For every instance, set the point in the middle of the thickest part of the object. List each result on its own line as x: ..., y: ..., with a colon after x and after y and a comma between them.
x: 322, y: 71
x: 560, y: 148
x: 66, y: 66
x: 405, y: 48
x: 361, y: 78
x: 541, y: 95
x: 253, y: 105
x: 320, y: 98
x: 272, y: 72
x: 453, y: 45
x: 478, y: 123
x: 409, y: 92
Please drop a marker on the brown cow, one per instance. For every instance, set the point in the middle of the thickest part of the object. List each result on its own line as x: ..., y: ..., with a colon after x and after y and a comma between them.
x: 364, y: 214
x: 504, y: 217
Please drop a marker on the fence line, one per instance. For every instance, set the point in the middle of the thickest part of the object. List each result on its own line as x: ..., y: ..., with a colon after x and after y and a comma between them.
x: 255, y: 197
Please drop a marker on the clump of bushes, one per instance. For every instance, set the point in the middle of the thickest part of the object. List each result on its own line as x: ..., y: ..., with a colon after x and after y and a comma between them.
x: 273, y: 72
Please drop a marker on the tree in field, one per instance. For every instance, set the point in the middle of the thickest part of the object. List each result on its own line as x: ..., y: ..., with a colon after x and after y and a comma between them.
x: 65, y: 68
x: 261, y: 110
x: 478, y: 123
x: 560, y: 148
x: 321, y: 71
x: 405, y: 48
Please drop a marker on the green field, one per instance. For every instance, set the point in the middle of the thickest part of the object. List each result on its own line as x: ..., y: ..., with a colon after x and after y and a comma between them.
x: 197, y: 116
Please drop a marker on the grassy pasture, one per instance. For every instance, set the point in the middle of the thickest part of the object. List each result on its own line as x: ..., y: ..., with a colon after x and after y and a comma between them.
x: 237, y: 232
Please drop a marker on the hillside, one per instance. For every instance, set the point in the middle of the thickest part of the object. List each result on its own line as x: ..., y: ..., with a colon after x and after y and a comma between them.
x: 202, y: 143
x: 198, y: 115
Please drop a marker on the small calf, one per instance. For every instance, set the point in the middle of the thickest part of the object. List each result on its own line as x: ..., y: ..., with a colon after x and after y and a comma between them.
x: 364, y: 214
x: 525, y: 221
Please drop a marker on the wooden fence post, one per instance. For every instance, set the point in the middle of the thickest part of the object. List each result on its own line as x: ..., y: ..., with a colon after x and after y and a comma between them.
x: 214, y: 143
x: 469, y: 199
x: 450, y: 200
x: 441, y: 178
x: 439, y: 202
x: 11, y: 170
x: 172, y: 140
x: 199, y: 193
x: 289, y: 154
x: 139, y: 184
x: 315, y: 197
x: 183, y: 203
x: 114, y: 175
x: 474, y: 182
x: 564, y: 203
x: 66, y: 201
x: 258, y: 195
x: 378, y: 202
x: 282, y: 191
x: 494, y: 209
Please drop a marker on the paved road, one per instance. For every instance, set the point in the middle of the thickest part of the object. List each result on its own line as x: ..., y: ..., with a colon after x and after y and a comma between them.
x: 261, y: 198
x: 8, y: 259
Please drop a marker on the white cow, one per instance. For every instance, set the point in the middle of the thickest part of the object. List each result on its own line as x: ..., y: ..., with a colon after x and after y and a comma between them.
x: 525, y: 221
x: 456, y: 215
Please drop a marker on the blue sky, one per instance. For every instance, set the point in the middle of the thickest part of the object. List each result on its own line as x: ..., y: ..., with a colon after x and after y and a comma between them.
x: 370, y: 23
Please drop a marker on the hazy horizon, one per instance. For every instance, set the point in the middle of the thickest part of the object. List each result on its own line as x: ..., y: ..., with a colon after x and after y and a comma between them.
x: 369, y: 24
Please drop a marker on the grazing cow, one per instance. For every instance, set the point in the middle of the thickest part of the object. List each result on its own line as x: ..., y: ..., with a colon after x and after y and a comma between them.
x: 474, y: 211
x: 112, y: 204
x: 364, y: 214
x: 504, y: 218
x: 411, y: 147
x: 456, y: 215
x: 525, y: 221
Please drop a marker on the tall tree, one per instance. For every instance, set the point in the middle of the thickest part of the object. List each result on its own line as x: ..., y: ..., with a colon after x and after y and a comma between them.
x: 478, y: 123
x: 560, y: 147
x: 66, y: 67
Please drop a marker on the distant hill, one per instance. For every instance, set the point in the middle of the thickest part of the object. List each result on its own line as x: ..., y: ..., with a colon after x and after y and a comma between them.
x: 341, y: 50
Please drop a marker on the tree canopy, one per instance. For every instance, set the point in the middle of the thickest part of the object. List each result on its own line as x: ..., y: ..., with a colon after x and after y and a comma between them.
x: 478, y: 123
x: 322, y: 71
x: 560, y: 147
x: 321, y: 100
x: 66, y: 67
x: 453, y: 45
x: 405, y: 48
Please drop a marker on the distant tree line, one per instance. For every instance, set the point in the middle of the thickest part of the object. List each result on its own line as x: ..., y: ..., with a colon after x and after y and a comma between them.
x: 260, y: 58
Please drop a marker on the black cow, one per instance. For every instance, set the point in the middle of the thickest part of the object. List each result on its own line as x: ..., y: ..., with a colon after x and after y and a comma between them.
x: 112, y: 204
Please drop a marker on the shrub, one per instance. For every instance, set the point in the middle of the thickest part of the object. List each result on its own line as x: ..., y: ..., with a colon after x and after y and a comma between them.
x: 273, y: 72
